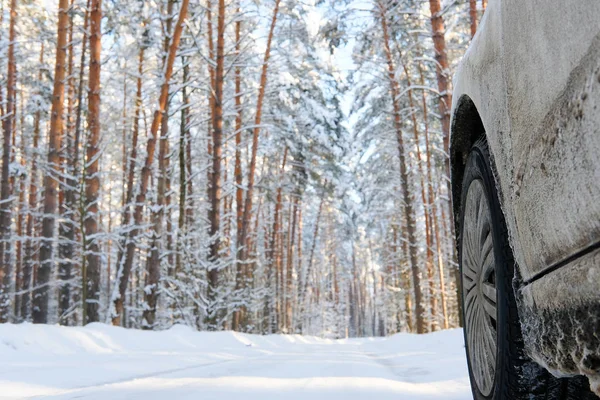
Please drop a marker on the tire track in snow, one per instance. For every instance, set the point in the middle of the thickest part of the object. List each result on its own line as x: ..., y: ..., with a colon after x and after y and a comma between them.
x: 156, y: 374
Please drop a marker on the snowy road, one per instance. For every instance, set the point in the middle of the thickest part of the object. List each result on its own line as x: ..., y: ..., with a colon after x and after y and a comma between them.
x: 102, y: 362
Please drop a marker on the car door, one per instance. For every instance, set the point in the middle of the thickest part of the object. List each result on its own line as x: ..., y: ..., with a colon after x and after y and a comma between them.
x: 551, y: 56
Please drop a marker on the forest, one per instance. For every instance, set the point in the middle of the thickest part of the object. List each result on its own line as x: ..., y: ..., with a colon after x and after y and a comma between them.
x: 264, y: 166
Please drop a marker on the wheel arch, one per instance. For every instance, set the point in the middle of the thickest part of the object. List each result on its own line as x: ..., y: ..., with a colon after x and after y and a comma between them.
x: 467, y: 126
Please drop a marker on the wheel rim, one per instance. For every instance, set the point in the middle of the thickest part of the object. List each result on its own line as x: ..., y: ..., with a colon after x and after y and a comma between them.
x: 479, y: 287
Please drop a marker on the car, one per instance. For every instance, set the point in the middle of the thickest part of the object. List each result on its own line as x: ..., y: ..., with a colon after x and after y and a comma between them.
x: 525, y: 172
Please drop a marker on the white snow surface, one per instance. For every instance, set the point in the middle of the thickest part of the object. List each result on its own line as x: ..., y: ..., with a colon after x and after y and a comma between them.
x: 105, y: 362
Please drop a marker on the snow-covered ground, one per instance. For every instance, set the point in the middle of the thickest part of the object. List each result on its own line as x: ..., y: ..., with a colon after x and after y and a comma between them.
x: 104, y: 362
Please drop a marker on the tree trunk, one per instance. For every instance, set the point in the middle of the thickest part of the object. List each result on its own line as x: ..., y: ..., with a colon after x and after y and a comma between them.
x: 5, y: 189
x: 406, y: 195
x: 151, y: 289
x: 274, y: 258
x: 431, y: 201
x: 239, y: 191
x: 183, y: 176
x: 445, y: 104
x: 214, y: 214
x: 76, y: 145
x: 126, y: 257
x: 257, y: 122
x: 406, y: 280
x: 443, y: 74
x: 128, y: 204
x: 473, y: 16
x: 426, y: 205
x: 241, y: 248
x: 30, y: 251
x: 22, y: 206
x: 211, y: 96
x: 394, y: 276
x: 289, y: 274
x: 189, y: 214
x: 91, y: 283
x: 445, y: 100
x: 66, y: 229
x: 313, y: 246
x: 40, y: 299
x: 134, y: 138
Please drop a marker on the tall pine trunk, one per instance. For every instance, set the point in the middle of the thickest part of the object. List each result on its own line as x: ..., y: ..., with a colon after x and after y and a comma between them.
x: 426, y: 203
x: 445, y: 104
x: 405, y: 190
x: 443, y: 75
x: 22, y: 207
x: 41, y: 293
x: 433, y: 209
x: 473, y: 16
x: 304, y: 288
x: 183, y: 172
x: 274, y: 257
x: 256, y: 131
x: 242, y: 236
x: 153, y: 262
x: 289, y: 273
x: 91, y: 281
x: 5, y: 189
x: 67, y: 226
x: 239, y: 191
x: 126, y: 257
x: 214, y: 215
x: 30, y: 248
x: 77, y: 170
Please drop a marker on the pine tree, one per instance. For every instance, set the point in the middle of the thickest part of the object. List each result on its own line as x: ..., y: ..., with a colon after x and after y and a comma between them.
x: 406, y: 195
x: 45, y: 271
x: 92, y: 265
x: 126, y: 257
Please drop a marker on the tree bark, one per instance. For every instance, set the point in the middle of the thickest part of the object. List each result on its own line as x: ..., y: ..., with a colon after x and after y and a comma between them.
x: 289, y: 275
x: 40, y: 299
x: 312, y: 249
x: 443, y: 74
x: 432, y: 205
x: 406, y: 195
x: 257, y: 122
x: 214, y: 214
x: 67, y: 227
x: 153, y: 275
x: 426, y: 203
x: 473, y: 16
x: 5, y: 187
x: 274, y: 258
x: 445, y: 103
x: 91, y: 283
x: 183, y: 173
x: 22, y: 207
x: 30, y: 251
x: 126, y: 257
x: 239, y: 191
x: 78, y: 172
x: 128, y: 204
x: 211, y: 96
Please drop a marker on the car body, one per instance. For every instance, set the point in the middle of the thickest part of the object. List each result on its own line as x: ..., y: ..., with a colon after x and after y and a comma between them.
x: 531, y: 81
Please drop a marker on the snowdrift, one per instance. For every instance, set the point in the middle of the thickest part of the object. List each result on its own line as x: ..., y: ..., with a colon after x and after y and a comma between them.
x: 104, y: 362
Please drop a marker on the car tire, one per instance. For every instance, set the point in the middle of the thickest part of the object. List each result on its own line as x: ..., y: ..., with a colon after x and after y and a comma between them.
x: 514, y: 375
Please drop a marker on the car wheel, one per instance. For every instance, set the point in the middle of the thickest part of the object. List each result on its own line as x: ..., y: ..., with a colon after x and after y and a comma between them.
x: 498, y: 366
